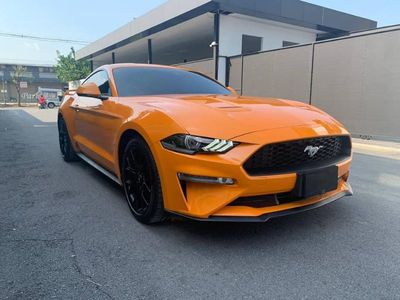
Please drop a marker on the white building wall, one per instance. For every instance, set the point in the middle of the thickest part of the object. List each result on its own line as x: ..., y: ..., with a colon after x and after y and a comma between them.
x: 232, y: 27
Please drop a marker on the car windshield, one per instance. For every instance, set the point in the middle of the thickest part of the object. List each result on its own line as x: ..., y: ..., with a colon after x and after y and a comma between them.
x: 145, y: 81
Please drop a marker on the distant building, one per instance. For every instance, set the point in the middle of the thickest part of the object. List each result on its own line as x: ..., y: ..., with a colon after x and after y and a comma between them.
x: 35, y: 77
x: 182, y: 31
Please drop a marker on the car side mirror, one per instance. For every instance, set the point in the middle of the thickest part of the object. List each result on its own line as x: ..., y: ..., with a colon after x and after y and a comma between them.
x: 90, y: 90
x: 233, y: 91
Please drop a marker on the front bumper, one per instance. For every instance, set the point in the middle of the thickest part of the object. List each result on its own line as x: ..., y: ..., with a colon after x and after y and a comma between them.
x: 212, y: 202
x: 267, y: 216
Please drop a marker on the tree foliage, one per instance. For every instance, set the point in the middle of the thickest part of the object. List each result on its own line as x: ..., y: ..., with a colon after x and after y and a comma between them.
x: 17, y: 76
x: 69, y: 69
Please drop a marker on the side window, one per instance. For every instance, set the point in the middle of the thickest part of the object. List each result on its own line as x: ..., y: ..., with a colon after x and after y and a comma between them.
x: 101, y: 80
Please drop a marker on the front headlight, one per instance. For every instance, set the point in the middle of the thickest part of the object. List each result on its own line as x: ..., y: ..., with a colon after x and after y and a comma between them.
x: 190, y: 144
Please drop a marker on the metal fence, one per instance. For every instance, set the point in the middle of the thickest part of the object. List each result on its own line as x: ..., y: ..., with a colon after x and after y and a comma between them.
x: 357, y: 81
x: 205, y: 66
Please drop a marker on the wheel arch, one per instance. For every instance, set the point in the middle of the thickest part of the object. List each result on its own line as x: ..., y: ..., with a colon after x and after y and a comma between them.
x: 65, y: 113
x: 151, y: 126
x: 126, y: 136
x: 128, y: 132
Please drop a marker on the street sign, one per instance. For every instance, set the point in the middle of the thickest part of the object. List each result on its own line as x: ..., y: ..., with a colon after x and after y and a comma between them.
x: 23, y: 85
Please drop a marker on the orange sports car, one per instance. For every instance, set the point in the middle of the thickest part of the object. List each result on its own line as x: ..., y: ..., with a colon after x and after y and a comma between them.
x: 182, y: 144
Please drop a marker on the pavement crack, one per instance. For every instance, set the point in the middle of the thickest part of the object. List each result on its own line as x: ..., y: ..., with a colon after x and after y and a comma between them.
x: 79, y: 270
x: 74, y: 256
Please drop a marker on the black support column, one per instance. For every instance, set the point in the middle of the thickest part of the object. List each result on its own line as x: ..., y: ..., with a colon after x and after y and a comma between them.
x: 149, y: 52
x: 216, y: 43
x: 113, y: 57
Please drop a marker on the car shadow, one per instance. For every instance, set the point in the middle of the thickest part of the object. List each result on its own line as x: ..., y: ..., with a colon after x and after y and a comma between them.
x: 315, y: 227
x: 103, y: 179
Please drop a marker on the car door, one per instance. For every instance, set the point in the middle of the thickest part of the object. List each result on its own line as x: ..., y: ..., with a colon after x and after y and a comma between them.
x: 96, y: 122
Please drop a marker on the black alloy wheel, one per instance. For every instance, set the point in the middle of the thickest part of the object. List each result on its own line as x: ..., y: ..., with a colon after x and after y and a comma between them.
x: 141, y: 182
x: 67, y: 151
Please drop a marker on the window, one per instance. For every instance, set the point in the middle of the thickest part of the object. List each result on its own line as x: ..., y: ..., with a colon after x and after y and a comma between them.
x: 100, y: 79
x: 145, y: 81
x: 288, y: 44
x: 251, y: 44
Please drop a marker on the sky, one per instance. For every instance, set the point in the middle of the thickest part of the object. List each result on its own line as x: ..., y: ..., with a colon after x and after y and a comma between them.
x: 89, y: 20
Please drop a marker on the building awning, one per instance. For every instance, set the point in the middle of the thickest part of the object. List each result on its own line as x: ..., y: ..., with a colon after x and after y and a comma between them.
x: 158, y: 24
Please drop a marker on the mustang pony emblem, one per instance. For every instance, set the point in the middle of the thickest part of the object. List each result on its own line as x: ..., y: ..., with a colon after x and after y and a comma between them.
x: 311, y: 150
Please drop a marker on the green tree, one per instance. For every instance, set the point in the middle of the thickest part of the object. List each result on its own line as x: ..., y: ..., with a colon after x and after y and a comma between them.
x: 69, y: 69
x: 17, y: 76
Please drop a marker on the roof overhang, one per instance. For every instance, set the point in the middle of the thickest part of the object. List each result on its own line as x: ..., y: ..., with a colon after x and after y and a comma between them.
x: 174, y: 12
x: 187, y: 42
x: 169, y: 14
x: 298, y: 13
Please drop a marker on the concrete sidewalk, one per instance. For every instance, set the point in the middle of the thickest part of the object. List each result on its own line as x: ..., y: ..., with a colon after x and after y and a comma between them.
x: 42, y: 115
x: 377, y: 148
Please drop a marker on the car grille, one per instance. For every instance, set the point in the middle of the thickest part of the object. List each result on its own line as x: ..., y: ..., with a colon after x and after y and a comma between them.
x: 292, y: 156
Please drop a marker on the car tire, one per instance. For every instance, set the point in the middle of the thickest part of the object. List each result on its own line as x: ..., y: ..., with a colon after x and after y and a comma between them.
x: 141, y: 182
x: 67, y: 151
x: 51, y: 105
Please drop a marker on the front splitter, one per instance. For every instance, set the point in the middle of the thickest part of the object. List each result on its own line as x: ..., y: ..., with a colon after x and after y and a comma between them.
x: 268, y: 216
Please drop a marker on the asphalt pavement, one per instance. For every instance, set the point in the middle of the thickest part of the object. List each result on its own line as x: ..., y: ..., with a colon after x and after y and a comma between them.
x: 66, y: 233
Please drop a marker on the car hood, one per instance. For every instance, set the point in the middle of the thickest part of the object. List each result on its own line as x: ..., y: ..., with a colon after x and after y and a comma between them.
x: 227, y: 117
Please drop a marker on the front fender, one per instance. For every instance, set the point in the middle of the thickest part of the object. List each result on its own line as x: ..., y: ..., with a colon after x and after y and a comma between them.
x: 152, y: 126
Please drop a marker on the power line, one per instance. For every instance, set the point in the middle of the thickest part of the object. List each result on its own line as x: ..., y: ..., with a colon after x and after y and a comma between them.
x: 40, y: 38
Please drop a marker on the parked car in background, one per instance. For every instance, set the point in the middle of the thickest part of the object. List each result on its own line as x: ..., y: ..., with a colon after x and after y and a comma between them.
x: 53, y: 96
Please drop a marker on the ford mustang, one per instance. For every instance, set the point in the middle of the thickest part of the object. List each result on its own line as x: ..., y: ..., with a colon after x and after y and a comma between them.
x: 180, y: 143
